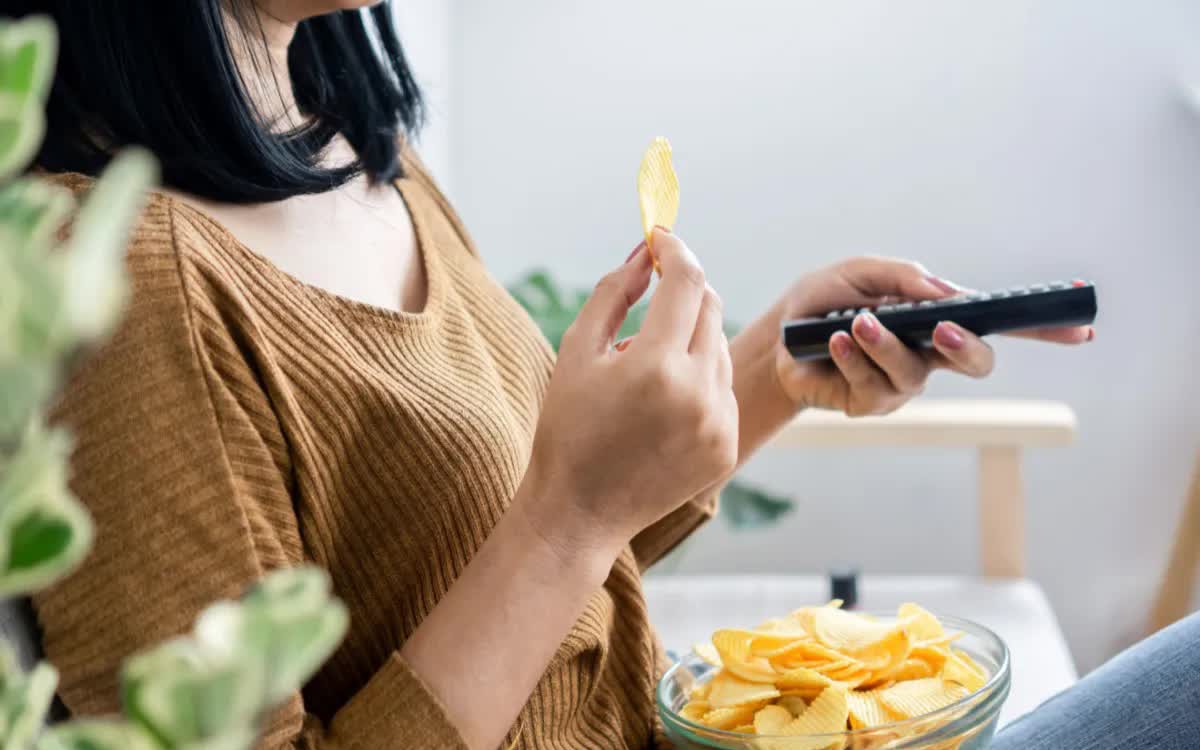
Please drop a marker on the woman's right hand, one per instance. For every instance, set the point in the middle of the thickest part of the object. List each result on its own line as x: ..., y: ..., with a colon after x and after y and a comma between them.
x: 626, y: 437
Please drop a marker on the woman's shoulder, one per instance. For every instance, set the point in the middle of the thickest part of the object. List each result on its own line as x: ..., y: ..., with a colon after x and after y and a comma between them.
x: 168, y: 232
x: 176, y: 258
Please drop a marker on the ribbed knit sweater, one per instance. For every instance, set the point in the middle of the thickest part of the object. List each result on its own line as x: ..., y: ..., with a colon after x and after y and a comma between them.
x: 241, y: 420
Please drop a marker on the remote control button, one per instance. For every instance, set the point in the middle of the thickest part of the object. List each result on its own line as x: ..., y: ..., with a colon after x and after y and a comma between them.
x: 885, y: 308
x: 1056, y: 286
x: 863, y: 310
x: 903, y: 306
x: 1018, y: 291
x: 1001, y: 294
x: 1078, y: 283
x: 927, y: 303
x: 848, y: 312
x: 1037, y: 287
x: 832, y: 315
x: 955, y: 300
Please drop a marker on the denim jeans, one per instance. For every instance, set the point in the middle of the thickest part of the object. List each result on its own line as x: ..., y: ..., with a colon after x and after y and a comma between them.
x: 1146, y: 697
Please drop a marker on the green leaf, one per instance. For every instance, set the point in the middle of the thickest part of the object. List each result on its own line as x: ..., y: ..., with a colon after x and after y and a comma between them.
x: 25, y: 385
x: 181, y: 692
x: 748, y: 507
x: 95, y: 286
x: 28, y: 49
x: 44, y: 531
x: 305, y: 625
x: 26, y: 705
x: 96, y: 734
x: 31, y: 211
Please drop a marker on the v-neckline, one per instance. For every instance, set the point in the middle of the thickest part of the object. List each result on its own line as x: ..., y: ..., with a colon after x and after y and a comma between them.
x: 424, y: 247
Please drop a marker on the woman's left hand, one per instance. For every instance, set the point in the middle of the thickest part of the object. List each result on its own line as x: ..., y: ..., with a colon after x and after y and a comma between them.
x: 871, y: 371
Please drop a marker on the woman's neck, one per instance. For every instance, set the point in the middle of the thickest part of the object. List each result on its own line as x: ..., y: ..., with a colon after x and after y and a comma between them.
x: 261, y: 54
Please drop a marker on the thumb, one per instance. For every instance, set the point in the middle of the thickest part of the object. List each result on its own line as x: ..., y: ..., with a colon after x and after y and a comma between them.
x: 878, y: 277
x: 604, y: 312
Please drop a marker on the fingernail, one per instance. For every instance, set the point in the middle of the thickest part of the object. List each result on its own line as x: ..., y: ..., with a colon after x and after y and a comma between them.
x: 636, y: 250
x: 1091, y: 333
x: 622, y: 345
x: 948, y: 335
x: 868, y: 327
x: 945, y: 286
x: 840, y: 344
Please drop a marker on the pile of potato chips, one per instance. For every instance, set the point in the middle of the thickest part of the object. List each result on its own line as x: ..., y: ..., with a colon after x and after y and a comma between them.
x: 823, y: 670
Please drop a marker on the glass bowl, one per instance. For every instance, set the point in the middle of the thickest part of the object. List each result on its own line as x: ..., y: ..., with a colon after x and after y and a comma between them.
x: 967, y: 724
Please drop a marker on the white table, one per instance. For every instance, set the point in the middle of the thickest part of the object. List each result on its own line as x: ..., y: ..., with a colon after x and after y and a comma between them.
x: 687, y: 609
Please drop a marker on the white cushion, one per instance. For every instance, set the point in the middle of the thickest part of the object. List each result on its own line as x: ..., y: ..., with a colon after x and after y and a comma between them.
x: 686, y: 609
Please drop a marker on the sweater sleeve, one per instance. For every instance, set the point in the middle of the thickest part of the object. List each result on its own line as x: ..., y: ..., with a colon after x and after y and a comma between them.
x: 664, y: 535
x: 182, y: 465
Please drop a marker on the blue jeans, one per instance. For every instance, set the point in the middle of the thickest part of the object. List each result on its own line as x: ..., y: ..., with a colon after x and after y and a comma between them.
x: 1146, y: 697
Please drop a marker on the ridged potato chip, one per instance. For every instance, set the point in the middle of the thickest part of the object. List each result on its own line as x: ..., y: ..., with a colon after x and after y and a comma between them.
x: 793, y: 703
x: 728, y: 718
x: 658, y: 191
x: 963, y: 670
x: 802, y: 678
x: 708, y: 653
x: 772, y: 719
x: 918, y: 697
x: 920, y: 623
x: 866, y: 711
x: 730, y: 690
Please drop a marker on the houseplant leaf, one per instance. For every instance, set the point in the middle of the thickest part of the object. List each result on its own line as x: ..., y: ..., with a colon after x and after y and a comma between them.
x: 44, y: 531
x: 28, y: 49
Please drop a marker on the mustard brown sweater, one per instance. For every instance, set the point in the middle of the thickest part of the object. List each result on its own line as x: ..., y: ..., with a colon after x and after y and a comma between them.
x: 241, y: 420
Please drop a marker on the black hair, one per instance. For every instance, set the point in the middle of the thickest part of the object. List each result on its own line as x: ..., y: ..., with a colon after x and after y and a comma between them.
x: 162, y: 74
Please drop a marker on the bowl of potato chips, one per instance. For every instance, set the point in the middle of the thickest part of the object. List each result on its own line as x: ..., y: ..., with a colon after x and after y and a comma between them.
x: 823, y: 678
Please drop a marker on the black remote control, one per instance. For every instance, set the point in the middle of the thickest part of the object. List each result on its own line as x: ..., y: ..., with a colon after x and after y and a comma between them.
x: 1059, y: 303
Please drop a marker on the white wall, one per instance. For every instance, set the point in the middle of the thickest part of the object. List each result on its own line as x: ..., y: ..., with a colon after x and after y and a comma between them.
x: 425, y: 30
x: 999, y: 141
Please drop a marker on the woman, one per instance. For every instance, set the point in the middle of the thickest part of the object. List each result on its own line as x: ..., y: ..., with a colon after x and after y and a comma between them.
x: 484, y: 510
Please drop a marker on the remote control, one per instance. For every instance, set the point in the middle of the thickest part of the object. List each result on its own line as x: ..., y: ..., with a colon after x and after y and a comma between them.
x: 1059, y: 303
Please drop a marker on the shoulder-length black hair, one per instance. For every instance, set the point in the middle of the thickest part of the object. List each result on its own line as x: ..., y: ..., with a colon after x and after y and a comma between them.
x: 162, y: 74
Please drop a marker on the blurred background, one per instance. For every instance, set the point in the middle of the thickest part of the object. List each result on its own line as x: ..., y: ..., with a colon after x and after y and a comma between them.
x: 1000, y: 142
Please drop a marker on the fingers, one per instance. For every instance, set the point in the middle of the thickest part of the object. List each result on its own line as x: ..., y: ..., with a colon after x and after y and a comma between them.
x: 604, y: 312
x: 962, y: 350
x: 904, y: 368
x: 708, y: 340
x: 671, y: 317
x: 875, y: 277
x: 863, y: 377
x: 1071, y: 335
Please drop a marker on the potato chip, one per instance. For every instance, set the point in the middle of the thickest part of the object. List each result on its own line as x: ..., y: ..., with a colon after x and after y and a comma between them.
x: 934, y: 656
x: 825, y: 715
x: 695, y: 710
x: 772, y: 719
x: 803, y: 678
x: 963, y: 670
x: 658, y: 191
x: 728, y: 718
x: 866, y: 710
x: 845, y: 631
x: 700, y: 692
x: 730, y: 690
x: 920, y: 623
x: 733, y: 646
x: 708, y: 653
x: 918, y: 697
x: 793, y: 703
